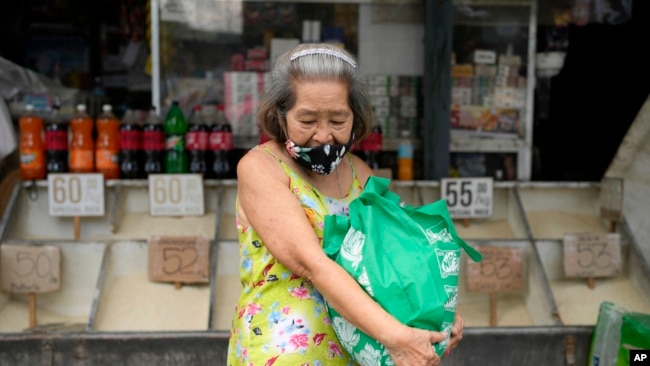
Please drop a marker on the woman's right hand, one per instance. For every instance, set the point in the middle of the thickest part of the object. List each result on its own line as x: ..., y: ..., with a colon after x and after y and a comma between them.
x: 414, y: 347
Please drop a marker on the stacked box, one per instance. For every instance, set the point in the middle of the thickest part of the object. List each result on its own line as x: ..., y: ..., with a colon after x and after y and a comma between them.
x: 242, y: 95
x: 488, y: 96
x: 395, y: 103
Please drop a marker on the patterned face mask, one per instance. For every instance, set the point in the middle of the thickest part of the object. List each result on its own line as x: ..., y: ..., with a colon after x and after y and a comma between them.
x: 321, y: 159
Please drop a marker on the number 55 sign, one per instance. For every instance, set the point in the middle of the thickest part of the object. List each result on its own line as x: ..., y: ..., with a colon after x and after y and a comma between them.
x: 468, y: 197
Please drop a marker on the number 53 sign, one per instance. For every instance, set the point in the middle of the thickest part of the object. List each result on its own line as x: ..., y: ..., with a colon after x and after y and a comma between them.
x: 592, y: 255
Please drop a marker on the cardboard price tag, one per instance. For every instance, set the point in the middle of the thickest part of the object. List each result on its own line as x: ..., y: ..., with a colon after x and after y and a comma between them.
x: 592, y: 255
x: 176, y: 195
x: 500, y: 270
x: 30, y: 269
x: 468, y: 197
x: 76, y: 194
x: 180, y: 259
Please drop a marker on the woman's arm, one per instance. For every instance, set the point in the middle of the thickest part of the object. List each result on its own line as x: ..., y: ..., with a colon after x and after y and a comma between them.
x: 268, y: 205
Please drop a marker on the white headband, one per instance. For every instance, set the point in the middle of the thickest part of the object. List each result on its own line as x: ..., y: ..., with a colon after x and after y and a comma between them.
x: 321, y: 51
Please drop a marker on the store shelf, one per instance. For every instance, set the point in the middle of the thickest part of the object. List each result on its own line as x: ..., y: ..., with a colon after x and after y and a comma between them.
x: 467, y: 143
x: 506, y: 28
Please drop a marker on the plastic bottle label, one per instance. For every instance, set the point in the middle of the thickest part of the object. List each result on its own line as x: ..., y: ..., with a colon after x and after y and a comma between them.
x: 196, y: 140
x: 153, y: 140
x: 373, y: 142
x: 130, y: 140
x: 175, y: 142
x: 107, y: 159
x: 31, y: 159
x: 220, y: 141
x: 405, y: 151
x: 81, y: 160
x: 56, y: 140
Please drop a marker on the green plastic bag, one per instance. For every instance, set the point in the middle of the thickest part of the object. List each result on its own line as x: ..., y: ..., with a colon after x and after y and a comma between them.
x: 606, y: 338
x: 635, y: 334
x: 407, y: 258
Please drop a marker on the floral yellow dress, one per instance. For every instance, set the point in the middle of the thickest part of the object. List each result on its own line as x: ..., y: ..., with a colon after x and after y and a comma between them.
x: 280, y: 318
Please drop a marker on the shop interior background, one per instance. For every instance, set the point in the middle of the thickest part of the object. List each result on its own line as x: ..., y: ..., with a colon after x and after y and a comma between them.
x: 580, y: 116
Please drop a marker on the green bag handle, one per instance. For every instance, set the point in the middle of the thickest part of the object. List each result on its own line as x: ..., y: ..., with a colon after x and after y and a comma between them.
x: 336, y: 227
x: 380, y: 186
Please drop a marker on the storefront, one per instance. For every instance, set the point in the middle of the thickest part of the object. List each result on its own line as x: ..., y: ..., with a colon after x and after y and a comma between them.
x: 107, y: 310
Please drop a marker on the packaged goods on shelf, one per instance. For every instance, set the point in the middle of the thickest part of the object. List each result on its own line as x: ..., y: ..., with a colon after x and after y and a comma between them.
x: 242, y: 96
x: 395, y: 101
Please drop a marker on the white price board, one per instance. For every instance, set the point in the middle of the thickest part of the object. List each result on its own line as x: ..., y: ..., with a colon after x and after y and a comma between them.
x: 76, y: 194
x: 468, y: 197
x: 176, y: 195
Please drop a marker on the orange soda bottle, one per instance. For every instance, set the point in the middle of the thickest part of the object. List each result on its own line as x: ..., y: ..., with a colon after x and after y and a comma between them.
x: 82, y: 150
x: 107, y: 148
x: 32, y: 148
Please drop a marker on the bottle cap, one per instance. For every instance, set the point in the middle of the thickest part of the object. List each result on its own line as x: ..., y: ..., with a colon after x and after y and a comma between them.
x: 107, y: 108
x: 29, y: 107
x: 81, y: 107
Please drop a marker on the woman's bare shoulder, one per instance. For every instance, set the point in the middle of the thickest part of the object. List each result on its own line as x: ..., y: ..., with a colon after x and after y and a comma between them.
x: 259, y: 162
x: 362, y: 169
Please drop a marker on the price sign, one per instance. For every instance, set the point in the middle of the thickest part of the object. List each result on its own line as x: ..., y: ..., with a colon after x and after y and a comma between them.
x: 176, y: 195
x: 76, y: 194
x: 592, y: 255
x: 179, y: 259
x: 468, y: 197
x: 611, y: 199
x: 500, y: 270
x: 30, y: 269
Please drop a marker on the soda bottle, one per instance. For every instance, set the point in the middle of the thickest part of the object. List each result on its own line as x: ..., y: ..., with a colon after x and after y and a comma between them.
x: 56, y: 142
x: 405, y: 157
x: 153, y: 144
x: 130, y: 147
x: 32, y: 149
x: 175, y: 129
x: 371, y: 147
x: 220, y: 144
x: 196, y: 141
x: 107, y: 148
x: 82, y: 146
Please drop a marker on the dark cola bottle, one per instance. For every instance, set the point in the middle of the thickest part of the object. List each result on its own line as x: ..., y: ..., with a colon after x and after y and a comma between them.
x: 196, y: 141
x: 220, y: 144
x: 131, y: 166
x: 56, y: 142
x: 153, y: 144
x: 371, y: 147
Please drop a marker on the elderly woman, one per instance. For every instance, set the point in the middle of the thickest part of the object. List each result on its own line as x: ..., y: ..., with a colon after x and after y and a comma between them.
x: 314, y: 109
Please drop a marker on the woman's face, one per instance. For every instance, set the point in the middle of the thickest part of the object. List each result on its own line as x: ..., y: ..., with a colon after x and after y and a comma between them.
x: 321, y: 114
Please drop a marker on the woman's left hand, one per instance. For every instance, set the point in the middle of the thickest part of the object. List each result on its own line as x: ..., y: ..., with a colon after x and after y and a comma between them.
x: 456, y: 332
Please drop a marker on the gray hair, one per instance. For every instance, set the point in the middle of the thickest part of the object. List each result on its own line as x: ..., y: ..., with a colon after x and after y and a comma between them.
x: 313, y: 62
